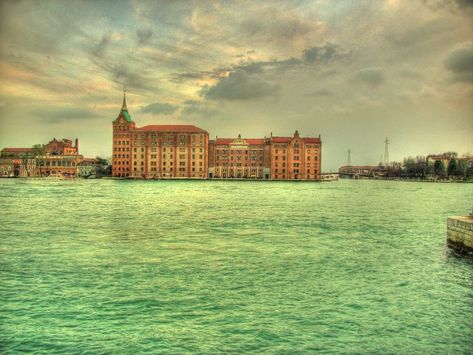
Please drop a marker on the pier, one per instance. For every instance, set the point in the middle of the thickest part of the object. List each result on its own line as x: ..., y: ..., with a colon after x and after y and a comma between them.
x: 460, y: 233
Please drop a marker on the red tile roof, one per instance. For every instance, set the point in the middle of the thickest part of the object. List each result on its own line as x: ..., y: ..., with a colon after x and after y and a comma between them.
x: 281, y: 139
x: 255, y: 141
x: 250, y: 141
x: 288, y: 139
x: 224, y: 140
x: 311, y: 140
x: 172, y: 128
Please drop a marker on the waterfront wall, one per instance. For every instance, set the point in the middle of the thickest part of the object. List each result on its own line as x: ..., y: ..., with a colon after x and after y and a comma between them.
x: 460, y: 233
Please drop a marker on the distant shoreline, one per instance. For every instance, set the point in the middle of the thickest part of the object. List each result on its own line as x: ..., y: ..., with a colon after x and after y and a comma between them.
x: 443, y: 181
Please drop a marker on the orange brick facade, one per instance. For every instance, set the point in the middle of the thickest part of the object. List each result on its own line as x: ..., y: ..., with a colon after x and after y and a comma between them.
x: 296, y: 158
x: 238, y: 158
x: 184, y: 151
x: 277, y: 158
x: 158, y: 151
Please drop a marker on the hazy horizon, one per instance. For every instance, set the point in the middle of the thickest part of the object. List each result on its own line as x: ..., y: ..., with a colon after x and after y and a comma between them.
x: 353, y: 72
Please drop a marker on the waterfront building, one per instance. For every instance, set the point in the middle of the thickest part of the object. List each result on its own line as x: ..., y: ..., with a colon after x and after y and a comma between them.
x: 17, y: 162
x: 296, y: 157
x: 61, y: 147
x: 240, y: 158
x: 17, y: 153
x: 278, y: 158
x: 158, y: 151
x: 56, y: 158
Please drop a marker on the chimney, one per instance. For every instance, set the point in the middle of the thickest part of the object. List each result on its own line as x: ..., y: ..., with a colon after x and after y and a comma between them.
x: 77, y: 145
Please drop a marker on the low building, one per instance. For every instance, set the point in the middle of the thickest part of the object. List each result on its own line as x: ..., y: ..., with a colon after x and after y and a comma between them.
x: 56, y: 158
x: 361, y: 171
x: 7, y: 167
x: 58, y: 165
x: 18, y: 153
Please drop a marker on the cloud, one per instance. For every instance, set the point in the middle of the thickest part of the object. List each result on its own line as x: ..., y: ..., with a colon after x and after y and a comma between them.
x: 464, y: 3
x: 321, y: 92
x: 460, y: 63
x: 460, y: 60
x: 313, y: 55
x: 410, y: 73
x: 99, y: 49
x: 158, y: 108
x: 192, y: 108
x: 416, y: 34
x: 321, y: 54
x: 64, y: 114
x: 278, y: 26
x: 144, y: 35
x: 239, y: 86
x: 370, y: 76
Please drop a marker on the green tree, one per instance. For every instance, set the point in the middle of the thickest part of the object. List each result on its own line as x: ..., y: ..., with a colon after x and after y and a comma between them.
x: 439, y: 168
x: 37, y: 149
x: 452, y: 167
x: 462, y: 167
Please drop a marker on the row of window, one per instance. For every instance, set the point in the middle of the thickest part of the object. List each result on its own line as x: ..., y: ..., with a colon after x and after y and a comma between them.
x: 295, y: 171
x: 66, y: 163
x: 237, y: 164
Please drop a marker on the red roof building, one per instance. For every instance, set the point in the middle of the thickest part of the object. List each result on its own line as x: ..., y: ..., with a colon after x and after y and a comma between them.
x: 158, y: 151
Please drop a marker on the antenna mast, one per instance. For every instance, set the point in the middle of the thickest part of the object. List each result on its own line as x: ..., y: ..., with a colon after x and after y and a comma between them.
x: 386, y: 152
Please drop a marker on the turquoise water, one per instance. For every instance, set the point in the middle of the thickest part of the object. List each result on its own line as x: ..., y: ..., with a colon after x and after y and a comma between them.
x: 209, y: 266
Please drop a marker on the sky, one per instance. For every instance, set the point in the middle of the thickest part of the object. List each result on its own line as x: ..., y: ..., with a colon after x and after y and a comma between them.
x: 354, y: 72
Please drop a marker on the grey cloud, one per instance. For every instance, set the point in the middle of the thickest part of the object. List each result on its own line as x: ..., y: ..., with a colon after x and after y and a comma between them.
x: 144, y: 35
x: 310, y: 56
x: 321, y: 92
x: 464, y: 3
x: 240, y: 86
x: 121, y: 74
x: 64, y: 114
x: 99, y: 48
x: 192, y: 108
x: 320, y: 54
x: 460, y: 64
x: 370, y: 76
x: 460, y: 60
x: 158, y: 108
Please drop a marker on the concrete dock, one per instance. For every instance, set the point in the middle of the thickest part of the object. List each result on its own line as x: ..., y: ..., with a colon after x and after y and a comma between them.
x: 460, y: 233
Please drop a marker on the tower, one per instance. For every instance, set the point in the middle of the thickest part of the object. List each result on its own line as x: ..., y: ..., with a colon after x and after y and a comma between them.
x: 122, y: 137
x: 349, y: 158
x: 386, y: 152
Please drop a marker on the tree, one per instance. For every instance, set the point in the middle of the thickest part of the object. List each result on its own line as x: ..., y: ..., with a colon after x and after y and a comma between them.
x: 452, y: 167
x: 462, y: 167
x: 410, y: 166
x: 37, y: 149
x: 439, y: 168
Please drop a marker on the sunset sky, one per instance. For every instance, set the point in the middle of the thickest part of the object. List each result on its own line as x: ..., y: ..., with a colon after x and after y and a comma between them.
x: 355, y: 72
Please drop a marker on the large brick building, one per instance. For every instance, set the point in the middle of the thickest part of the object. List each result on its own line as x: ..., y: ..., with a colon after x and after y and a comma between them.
x: 241, y: 158
x: 158, y: 151
x: 184, y: 151
x: 296, y: 157
x: 277, y: 158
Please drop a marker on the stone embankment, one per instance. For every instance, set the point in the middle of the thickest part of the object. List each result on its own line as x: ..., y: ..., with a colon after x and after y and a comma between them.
x: 460, y: 233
